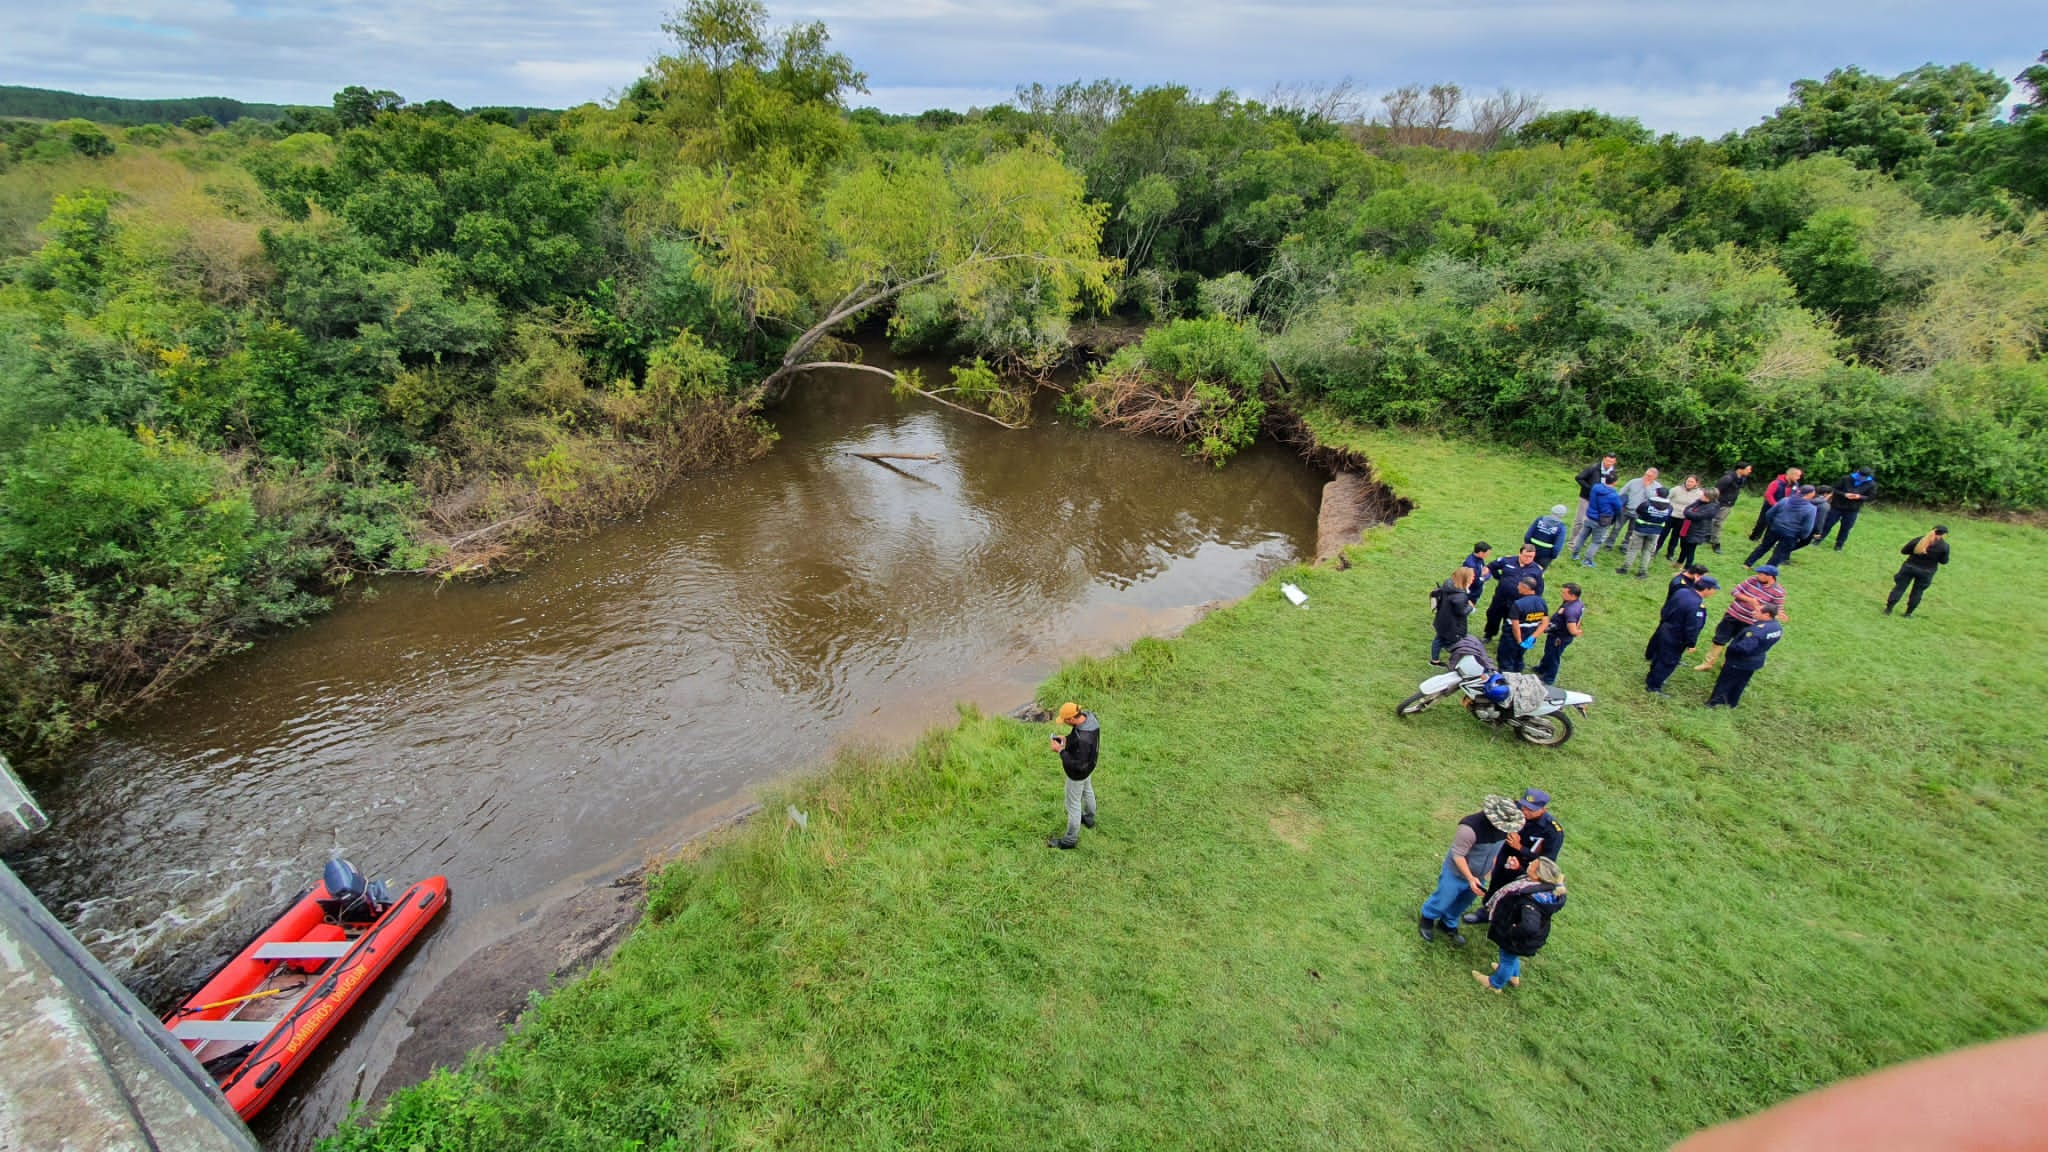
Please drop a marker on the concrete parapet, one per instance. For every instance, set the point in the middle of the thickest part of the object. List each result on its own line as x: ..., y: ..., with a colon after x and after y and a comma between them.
x: 86, y: 1066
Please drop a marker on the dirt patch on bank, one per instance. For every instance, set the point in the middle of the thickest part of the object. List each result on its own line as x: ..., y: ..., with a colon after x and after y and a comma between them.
x: 473, y: 1007
x: 1353, y: 500
x: 1347, y: 511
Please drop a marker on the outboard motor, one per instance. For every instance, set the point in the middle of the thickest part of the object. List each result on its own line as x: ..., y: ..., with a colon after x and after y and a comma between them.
x: 350, y: 898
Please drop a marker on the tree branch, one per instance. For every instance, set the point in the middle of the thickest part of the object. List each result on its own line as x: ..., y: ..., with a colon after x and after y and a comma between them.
x: 894, y: 378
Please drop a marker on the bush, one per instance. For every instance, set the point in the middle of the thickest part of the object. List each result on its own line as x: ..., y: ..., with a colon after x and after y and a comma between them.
x: 1195, y: 381
x: 125, y: 562
x: 1688, y: 360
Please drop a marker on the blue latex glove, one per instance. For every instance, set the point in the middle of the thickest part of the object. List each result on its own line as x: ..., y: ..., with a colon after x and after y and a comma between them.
x: 1528, y: 644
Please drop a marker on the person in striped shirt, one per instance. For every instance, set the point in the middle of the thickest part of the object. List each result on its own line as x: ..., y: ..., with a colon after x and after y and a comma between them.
x: 1752, y: 594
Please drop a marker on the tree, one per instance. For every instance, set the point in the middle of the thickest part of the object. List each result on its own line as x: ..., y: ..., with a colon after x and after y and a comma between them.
x: 1013, y: 236
x: 1414, y: 116
x: 740, y: 89
x: 1498, y: 117
x: 357, y: 107
x: 2023, y: 167
x: 1831, y: 265
x: 199, y: 125
x: 1875, y: 121
x: 1567, y: 125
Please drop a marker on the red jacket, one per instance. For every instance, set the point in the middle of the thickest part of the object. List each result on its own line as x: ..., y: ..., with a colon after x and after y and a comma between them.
x: 1775, y: 491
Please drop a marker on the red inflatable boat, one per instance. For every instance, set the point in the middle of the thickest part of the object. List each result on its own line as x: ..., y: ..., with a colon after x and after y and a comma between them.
x: 268, y: 1009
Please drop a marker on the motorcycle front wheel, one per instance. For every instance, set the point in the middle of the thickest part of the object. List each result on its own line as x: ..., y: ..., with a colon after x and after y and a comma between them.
x: 1419, y: 702
x: 1545, y: 731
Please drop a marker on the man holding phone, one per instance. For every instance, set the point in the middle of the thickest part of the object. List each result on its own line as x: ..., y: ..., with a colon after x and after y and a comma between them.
x: 1078, y: 750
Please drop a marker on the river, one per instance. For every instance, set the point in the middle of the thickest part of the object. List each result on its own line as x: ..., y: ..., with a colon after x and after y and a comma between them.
x: 532, y: 734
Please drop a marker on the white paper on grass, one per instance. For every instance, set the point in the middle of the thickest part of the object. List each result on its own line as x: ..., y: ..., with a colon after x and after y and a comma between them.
x: 1294, y: 595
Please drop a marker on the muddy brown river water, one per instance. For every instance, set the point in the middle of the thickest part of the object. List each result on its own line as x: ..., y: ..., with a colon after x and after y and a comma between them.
x: 534, y: 734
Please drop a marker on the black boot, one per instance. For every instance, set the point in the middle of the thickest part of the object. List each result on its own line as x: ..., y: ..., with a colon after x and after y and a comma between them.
x: 1088, y: 821
x: 1060, y: 842
x: 1457, y: 937
x: 1475, y: 917
x: 1426, y: 928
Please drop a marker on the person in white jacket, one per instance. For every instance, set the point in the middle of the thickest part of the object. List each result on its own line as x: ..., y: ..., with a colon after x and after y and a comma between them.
x: 1682, y: 497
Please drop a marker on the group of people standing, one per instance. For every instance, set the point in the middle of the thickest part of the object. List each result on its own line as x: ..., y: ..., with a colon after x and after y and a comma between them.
x: 1645, y: 519
x: 1516, y: 613
x: 1505, y: 857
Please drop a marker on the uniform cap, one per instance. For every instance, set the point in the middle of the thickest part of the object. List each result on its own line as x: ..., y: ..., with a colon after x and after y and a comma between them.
x: 1707, y: 582
x: 1766, y: 570
x: 1535, y: 798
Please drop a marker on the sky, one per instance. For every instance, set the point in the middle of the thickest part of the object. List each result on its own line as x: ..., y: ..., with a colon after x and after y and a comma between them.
x: 1689, y: 66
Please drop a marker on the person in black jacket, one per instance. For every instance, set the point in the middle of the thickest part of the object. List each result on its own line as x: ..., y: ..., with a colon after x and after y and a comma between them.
x: 1727, y: 490
x: 1453, y: 600
x: 1591, y: 474
x: 1518, y: 921
x: 1678, y: 629
x: 1746, y: 657
x: 1851, y: 495
x: 1924, y: 556
x: 1699, y: 524
x: 1078, y: 750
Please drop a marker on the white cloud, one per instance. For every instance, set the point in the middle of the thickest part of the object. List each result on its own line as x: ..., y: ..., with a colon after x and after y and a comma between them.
x: 1704, y: 110
x: 566, y: 83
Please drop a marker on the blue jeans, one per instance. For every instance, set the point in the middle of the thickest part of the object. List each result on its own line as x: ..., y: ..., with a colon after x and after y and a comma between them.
x: 1510, y: 967
x: 1451, y: 898
x: 1592, y: 536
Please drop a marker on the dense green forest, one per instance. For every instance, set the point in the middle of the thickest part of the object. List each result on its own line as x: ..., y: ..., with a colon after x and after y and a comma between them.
x: 241, y: 366
x: 51, y: 104
x: 198, y: 113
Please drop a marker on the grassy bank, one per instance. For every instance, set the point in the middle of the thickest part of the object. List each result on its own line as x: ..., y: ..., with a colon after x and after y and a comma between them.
x: 1831, y: 879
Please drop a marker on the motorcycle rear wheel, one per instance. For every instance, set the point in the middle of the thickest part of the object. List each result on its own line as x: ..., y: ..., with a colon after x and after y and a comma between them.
x: 1545, y: 731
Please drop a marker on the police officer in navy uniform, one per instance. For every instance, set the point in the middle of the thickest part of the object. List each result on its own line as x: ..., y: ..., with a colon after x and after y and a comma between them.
x: 1686, y: 578
x: 1527, y: 617
x: 1678, y: 629
x: 1745, y: 656
x: 1541, y: 835
x: 1508, y: 574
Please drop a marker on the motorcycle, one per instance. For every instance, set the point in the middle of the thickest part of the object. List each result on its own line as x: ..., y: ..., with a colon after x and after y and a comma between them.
x: 1486, y: 697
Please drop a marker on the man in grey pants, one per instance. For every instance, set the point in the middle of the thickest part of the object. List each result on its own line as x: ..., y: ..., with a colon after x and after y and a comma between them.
x: 1077, y: 749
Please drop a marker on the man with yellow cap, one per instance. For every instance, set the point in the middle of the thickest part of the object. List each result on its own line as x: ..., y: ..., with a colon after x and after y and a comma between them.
x: 1077, y: 749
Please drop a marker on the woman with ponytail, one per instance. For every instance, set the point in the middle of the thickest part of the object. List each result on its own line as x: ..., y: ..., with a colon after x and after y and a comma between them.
x: 1924, y: 556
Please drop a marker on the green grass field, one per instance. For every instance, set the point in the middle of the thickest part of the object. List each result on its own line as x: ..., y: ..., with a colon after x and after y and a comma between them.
x: 1833, y: 878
